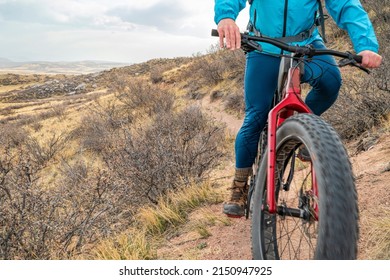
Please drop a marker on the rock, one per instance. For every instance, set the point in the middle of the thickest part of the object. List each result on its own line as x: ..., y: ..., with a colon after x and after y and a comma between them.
x: 81, y: 87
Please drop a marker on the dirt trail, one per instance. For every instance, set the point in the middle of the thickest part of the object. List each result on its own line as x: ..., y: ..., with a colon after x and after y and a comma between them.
x: 230, y: 238
x: 216, y: 111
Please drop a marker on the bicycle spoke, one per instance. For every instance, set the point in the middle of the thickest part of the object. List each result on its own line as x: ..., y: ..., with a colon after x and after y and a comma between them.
x: 295, y: 235
x: 286, y: 233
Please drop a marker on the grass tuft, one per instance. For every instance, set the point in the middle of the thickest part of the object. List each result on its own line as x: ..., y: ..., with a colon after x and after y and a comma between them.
x: 173, y: 209
x: 130, y: 246
x: 379, y: 237
x: 153, y: 221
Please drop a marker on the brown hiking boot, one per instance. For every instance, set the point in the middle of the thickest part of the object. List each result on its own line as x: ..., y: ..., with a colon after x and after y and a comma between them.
x: 235, y: 208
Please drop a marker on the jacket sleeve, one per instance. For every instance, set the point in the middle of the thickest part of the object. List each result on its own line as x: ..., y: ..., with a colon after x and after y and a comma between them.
x: 227, y: 9
x: 351, y: 16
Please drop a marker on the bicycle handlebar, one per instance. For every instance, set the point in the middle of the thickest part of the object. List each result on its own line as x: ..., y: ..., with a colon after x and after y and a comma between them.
x: 249, y: 42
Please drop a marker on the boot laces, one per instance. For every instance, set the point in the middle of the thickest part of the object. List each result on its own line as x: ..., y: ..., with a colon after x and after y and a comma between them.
x: 238, y: 193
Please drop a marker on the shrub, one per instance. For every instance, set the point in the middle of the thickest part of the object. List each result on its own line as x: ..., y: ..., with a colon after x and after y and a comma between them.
x: 356, y: 112
x: 12, y: 135
x: 141, y: 96
x: 26, y: 210
x: 175, y: 148
x: 99, y: 127
x: 235, y: 102
x: 217, y: 66
x: 93, y: 206
x: 43, y: 151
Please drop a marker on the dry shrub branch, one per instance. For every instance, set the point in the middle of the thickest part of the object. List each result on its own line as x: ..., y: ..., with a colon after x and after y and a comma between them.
x: 176, y: 149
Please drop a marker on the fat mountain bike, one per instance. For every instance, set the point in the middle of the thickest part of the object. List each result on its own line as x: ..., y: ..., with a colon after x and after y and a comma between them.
x: 302, y: 197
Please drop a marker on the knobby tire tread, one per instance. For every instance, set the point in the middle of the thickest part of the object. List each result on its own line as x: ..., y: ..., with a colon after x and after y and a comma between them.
x: 338, y: 221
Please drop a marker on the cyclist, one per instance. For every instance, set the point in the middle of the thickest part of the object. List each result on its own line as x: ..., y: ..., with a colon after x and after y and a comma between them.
x: 294, y: 22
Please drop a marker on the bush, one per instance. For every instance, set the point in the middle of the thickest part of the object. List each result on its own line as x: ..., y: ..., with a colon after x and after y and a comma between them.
x: 235, y: 102
x: 141, y: 96
x: 176, y: 149
x: 359, y: 108
x: 93, y: 206
x: 56, y: 222
x: 43, y: 151
x: 99, y: 127
x: 217, y: 66
x: 12, y: 135
x: 26, y: 210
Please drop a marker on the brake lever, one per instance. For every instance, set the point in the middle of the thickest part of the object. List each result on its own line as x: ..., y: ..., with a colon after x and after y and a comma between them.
x: 350, y: 61
x: 248, y: 45
x: 361, y: 68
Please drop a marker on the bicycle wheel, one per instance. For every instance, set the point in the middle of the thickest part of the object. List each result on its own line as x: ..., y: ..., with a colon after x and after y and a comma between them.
x: 313, y: 220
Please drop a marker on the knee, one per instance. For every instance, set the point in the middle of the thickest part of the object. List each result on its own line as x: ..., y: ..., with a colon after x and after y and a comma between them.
x: 332, y: 79
x: 254, y: 122
x: 336, y: 75
x: 329, y: 84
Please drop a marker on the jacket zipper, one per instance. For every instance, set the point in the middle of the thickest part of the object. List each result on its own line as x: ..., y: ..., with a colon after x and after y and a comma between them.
x: 285, y: 21
x: 285, y: 18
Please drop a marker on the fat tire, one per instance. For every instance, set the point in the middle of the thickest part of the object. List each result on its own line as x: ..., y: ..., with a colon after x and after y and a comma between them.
x: 338, y: 210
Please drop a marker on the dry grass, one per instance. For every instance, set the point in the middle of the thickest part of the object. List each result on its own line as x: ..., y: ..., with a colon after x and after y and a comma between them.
x: 379, y: 237
x: 173, y: 209
x: 153, y: 222
x: 131, y: 246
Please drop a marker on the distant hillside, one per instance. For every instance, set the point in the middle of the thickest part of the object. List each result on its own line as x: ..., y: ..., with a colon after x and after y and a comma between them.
x: 4, y: 63
x: 61, y: 67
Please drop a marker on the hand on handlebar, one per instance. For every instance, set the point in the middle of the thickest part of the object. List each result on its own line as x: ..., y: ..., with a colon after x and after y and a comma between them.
x: 370, y: 59
x: 229, y: 32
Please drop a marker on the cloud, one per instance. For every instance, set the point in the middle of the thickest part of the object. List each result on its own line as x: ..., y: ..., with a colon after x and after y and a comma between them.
x: 167, y: 16
x: 24, y: 12
x: 120, y: 30
x: 68, y: 13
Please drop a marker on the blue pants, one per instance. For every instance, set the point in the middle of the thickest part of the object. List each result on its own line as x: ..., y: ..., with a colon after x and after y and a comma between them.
x: 261, y: 76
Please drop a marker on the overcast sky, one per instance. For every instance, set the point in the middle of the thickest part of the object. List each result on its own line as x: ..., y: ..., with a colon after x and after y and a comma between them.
x: 113, y: 30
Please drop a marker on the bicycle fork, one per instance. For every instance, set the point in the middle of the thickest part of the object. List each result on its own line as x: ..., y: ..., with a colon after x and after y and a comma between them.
x: 291, y: 103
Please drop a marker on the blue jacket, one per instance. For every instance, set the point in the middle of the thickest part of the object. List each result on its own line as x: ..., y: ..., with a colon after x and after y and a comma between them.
x: 280, y: 18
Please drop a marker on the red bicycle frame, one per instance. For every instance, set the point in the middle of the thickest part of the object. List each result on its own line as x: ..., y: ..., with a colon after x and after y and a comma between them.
x: 291, y: 103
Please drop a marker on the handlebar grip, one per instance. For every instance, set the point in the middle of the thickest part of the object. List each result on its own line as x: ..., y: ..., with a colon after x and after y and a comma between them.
x: 214, y: 32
